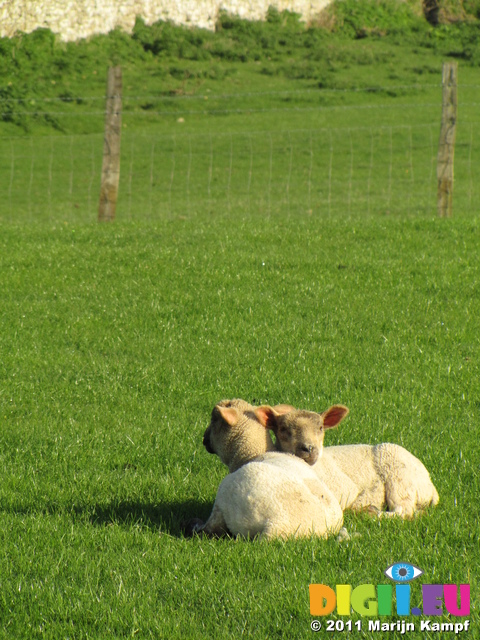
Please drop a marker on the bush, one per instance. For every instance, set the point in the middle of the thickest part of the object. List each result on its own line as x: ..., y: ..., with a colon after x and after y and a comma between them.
x: 472, y: 8
x: 375, y: 17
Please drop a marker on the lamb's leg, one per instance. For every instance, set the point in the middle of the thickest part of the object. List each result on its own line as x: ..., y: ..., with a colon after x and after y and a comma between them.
x: 275, y: 530
x: 215, y: 526
x: 397, y: 467
x: 401, y: 492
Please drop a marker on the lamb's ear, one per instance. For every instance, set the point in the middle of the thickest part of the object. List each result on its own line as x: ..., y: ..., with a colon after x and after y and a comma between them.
x: 229, y: 415
x: 333, y: 416
x: 281, y: 409
x: 267, y: 416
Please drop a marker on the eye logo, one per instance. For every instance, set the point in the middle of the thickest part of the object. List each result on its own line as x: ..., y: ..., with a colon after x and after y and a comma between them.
x: 403, y: 572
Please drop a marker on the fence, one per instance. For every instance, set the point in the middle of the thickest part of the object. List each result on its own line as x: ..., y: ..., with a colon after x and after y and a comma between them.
x: 373, y: 169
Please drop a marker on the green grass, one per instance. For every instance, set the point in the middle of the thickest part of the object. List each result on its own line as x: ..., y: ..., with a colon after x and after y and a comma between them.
x: 279, y: 245
x: 274, y: 117
x: 117, y: 341
x: 385, y: 169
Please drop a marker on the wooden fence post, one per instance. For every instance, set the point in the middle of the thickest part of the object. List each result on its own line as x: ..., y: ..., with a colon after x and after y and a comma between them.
x: 446, y: 145
x: 111, y: 146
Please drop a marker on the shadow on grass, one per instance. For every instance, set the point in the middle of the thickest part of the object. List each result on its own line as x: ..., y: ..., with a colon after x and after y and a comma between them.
x: 165, y: 518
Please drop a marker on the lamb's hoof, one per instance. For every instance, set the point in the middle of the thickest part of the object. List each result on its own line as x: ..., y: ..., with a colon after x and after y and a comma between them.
x: 389, y: 514
x: 192, y: 526
x: 344, y: 536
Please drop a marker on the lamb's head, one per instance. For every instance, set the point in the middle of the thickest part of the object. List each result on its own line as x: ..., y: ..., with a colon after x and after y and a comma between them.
x: 235, y: 434
x: 300, y: 432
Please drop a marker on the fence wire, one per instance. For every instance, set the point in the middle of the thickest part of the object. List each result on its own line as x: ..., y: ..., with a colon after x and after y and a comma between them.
x: 318, y: 171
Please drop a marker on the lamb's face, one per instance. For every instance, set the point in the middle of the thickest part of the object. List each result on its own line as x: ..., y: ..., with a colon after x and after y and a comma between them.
x: 301, y: 433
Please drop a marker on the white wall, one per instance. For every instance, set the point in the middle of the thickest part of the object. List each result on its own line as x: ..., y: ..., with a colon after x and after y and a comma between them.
x: 73, y: 19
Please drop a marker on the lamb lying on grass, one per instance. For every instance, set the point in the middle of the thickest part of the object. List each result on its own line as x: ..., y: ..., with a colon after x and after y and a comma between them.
x: 362, y: 477
x: 267, y: 493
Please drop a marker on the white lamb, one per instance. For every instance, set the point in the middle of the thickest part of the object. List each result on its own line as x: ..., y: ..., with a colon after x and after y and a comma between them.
x: 362, y: 477
x: 267, y: 494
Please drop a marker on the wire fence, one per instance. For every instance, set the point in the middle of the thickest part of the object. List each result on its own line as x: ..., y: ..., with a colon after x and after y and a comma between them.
x: 374, y: 169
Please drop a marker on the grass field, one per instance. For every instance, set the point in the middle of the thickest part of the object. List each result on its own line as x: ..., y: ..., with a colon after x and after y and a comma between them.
x: 251, y: 142
x: 279, y: 245
x: 116, y: 343
x: 274, y: 117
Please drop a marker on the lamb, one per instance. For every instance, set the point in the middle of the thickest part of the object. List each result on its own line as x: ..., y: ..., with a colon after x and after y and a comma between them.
x: 362, y: 477
x: 267, y: 494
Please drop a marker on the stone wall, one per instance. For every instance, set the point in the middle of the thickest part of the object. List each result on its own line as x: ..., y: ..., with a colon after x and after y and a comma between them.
x: 74, y: 19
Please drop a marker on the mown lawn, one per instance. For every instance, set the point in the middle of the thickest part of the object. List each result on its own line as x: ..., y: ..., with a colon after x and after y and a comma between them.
x: 117, y: 341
